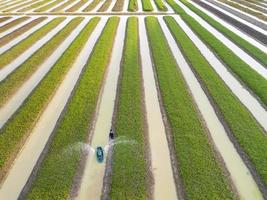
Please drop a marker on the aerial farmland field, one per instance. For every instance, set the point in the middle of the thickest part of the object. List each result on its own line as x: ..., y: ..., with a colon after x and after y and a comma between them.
x: 133, y: 99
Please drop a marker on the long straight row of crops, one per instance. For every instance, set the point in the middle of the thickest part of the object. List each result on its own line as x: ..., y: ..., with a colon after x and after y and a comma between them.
x: 133, y: 99
x: 82, y: 6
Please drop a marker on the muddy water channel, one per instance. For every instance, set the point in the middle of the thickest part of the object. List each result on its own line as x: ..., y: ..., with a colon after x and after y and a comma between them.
x: 32, y: 149
x: 18, y: 98
x: 239, y: 90
x: 92, y: 180
x: 232, y: 28
x: 164, y: 184
x: 239, y: 173
x: 23, y: 36
x: 238, y: 51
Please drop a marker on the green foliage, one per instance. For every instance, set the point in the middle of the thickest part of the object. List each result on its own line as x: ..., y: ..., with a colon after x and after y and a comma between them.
x: 201, y: 173
x: 92, y: 5
x: 243, y: 71
x: 160, y: 5
x: 251, y: 137
x: 16, y: 130
x: 147, y: 6
x: 133, y: 5
x: 55, y: 177
x: 242, y: 43
x: 12, y: 82
x: 257, y: 14
x: 129, y: 166
x: 11, y: 54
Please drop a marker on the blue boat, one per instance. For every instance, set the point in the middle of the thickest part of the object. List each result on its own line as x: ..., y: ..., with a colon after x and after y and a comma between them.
x: 99, y: 154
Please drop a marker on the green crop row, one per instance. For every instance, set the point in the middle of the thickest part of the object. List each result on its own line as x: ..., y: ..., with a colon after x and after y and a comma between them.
x: 147, y: 6
x: 12, y: 4
x: 16, y: 130
x: 253, y: 80
x: 64, y: 5
x: 259, y: 15
x: 248, y: 47
x: 92, y: 5
x: 105, y: 6
x: 55, y: 176
x: 12, y: 82
x: 250, y: 5
x: 48, y: 6
x: 18, y: 6
x: 118, y: 5
x: 77, y: 6
x: 12, y: 24
x: 160, y: 5
x: 7, y: 38
x: 35, y: 5
x: 200, y: 171
x: 249, y: 134
x: 133, y: 5
x: 129, y: 173
x: 3, y: 19
x: 11, y: 54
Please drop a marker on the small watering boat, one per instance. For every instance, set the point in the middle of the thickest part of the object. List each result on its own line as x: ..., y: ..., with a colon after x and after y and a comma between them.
x: 99, y: 154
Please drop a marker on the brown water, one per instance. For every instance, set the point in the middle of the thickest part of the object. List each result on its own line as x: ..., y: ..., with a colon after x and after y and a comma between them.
x: 237, y: 50
x: 92, y: 180
x: 239, y: 90
x: 239, y: 173
x: 23, y: 36
x: 29, y: 154
x: 233, y: 29
x: 164, y: 184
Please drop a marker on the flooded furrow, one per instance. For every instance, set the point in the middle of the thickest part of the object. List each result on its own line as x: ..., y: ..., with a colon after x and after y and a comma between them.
x: 242, y: 178
x: 155, y: 8
x: 13, y: 4
x: 15, y: 41
x: 164, y: 184
x: 92, y: 180
x: 239, y: 11
x: 84, y: 6
x: 17, y: 8
x: 98, y: 6
x: 113, y: 2
x: 236, y: 50
x: 125, y: 6
x: 251, y: 22
x: 32, y: 9
x: 22, y: 93
x: 56, y: 6
x: 232, y: 28
x: 140, y: 6
x: 70, y: 5
x: 13, y: 28
x: 24, y: 164
x: 6, y: 70
x: 250, y: 8
x: 9, y: 20
x: 239, y: 90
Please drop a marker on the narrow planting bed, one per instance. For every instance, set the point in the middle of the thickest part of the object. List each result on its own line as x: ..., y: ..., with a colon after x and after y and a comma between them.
x: 198, y: 166
x: 254, y: 81
x: 8, y: 56
x: 12, y: 82
x: 248, y: 47
x: 129, y: 174
x: 74, y: 126
x: 6, y: 39
x: 241, y: 125
x: 16, y: 130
